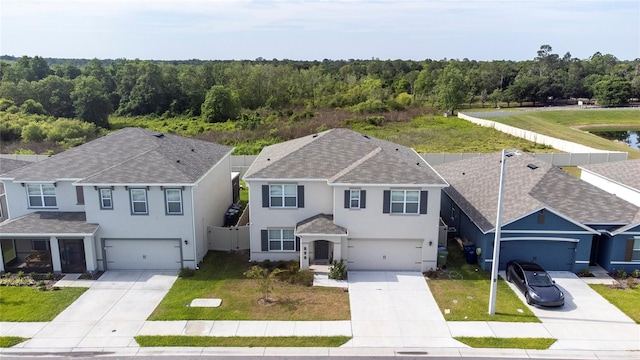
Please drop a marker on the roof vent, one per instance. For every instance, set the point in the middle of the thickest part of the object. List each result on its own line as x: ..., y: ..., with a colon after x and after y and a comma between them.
x: 365, y: 136
x: 314, y: 135
x: 532, y: 166
x: 509, y: 154
x: 418, y: 164
x: 268, y: 159
x: 178, y: 161
x: 159, y: 135
x: 193, y: 150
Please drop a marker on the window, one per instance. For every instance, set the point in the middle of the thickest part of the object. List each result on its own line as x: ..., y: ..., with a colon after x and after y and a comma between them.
x: 138, y: 201
x: 106, y: 201
x: 635, y: 255
x: 355, y: 199
x: 405, y: 201
x: 173, y: 198
x: 281, y: 240
x: 41, y: 195
x: 283, y: 196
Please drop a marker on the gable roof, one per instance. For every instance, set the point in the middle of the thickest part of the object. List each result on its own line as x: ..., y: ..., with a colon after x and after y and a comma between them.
x: 343, y: 156
x: 128, y: 156
x: 475, y: 185
x: 321, y: 224
x: 622, y: 172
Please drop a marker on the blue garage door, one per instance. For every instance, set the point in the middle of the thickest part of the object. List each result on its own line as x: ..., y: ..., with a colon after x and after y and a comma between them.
x: 550, y: 254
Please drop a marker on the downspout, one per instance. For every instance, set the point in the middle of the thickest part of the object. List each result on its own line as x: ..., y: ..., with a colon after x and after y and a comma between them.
x: 193, y: 222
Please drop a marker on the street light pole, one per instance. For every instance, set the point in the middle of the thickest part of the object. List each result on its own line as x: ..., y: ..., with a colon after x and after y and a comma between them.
x: 496, y: 242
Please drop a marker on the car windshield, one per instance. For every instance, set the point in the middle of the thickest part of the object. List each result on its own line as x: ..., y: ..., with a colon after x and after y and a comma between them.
x: 538, y: 278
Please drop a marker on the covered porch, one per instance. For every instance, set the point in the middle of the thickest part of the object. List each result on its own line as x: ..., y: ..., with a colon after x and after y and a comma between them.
x: 321, y: 241
x: 43, y: 242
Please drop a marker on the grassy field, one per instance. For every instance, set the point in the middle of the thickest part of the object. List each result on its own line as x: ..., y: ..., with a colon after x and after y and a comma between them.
x: 573, y: 125
x: 29, y: 304
x: 467, y: 299
x: 236, y: 341
x: 9, y: 341
x: 221, y: 276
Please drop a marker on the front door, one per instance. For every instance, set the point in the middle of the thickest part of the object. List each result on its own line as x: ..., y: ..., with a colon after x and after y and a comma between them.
x: 72, y: 255
x: 321, y: 250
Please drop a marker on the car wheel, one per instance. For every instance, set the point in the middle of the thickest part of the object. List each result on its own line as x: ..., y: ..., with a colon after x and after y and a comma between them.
x: 528, y: 298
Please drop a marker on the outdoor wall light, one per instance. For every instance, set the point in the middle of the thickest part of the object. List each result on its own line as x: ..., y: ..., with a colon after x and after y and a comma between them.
x: 186, y: 242
x: 430, y: 242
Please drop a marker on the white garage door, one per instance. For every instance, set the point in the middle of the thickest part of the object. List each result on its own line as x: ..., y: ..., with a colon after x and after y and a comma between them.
x: 384, y: 255
x: 152, y: 254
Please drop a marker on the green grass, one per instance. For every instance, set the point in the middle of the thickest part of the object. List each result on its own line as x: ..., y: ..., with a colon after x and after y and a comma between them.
x: 437, y: 134
x: 9, y: 341
x: 221, y: 276
x: 626, y: 300
x: 238, y: 341
x: 26, y: 304
x: 507, y: 343
x: 573, y: 125
x: 468, y: 299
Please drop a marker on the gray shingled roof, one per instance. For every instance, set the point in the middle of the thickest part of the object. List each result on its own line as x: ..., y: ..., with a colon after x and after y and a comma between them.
x: 343, y: 156
x: 7, y: 165
x: 623, y: 172
x: 320, y: 224
x: 48, y: 222
x: 475, y: 184
x: 128, y: 156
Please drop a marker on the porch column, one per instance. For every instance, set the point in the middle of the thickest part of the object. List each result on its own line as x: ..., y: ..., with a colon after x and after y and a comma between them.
x: 337, y: 250
x: 55, y: 254
x: 90, y: 253
x: 304, y: 254
x: 1, y: 258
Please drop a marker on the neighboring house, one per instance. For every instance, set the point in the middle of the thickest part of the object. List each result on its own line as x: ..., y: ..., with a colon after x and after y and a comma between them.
x: 549, y: 216
x: 621, y: 178
x: 133, y: 199
x: 340, y: 194
x: 7, y: 165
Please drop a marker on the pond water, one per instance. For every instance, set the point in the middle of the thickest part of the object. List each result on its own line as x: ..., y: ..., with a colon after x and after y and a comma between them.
x: 630, y: 137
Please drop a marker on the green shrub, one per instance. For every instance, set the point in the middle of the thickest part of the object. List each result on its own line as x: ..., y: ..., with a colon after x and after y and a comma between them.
x: 636, y: 273
x: 186, y: 272
x: 338, y: 270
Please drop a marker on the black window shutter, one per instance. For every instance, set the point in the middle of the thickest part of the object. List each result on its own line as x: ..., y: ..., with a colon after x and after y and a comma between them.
x: 363, y: 199
x: 300, y: 196
x: 423, y: 201
x: 264, y: 235
x: 628, y: 255
x: 297, y: 243
x: 347, y: 199
x: 265, y: 195
x: 386, y: 202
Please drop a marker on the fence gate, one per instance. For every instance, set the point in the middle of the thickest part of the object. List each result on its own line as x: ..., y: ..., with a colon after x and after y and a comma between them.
x: 231, y: 238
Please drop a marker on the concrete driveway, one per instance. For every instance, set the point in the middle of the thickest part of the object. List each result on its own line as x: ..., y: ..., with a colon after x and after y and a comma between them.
x: 108, y: 314
x: 395, y: 309
x: 586, y: 321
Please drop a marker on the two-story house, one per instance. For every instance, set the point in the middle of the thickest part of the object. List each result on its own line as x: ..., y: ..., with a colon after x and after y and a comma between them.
x: 133, y: 199
x: 340, y: 194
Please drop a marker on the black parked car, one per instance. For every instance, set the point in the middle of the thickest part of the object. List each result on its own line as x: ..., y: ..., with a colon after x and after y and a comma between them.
x: 535, y: 283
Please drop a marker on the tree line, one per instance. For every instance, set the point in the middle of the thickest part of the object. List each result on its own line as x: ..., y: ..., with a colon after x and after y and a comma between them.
x: 217, y: 91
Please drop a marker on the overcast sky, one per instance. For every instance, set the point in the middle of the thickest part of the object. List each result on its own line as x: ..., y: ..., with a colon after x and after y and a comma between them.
x: 318, y: 29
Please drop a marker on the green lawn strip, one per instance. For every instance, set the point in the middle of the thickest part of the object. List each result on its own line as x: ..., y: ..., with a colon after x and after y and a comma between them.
x: 468, y: 299
x: 240, y: 341
x: 9, y: 341
x: 507, y: 343
x: 27, y: 304
x: 559, y: 124
x: 626, y: 300
x: 221, y: 276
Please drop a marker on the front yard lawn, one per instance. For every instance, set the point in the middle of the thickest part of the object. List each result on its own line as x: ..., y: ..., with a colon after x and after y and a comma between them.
x: 626, y: 300
x: 467, y: 299
x: 221, y: 276
x: 241, y: 341
x: 30, y: 304
x: 9, y: 341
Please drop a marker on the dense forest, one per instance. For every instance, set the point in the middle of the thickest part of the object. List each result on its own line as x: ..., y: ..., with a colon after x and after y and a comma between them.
x: 66, y: 100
